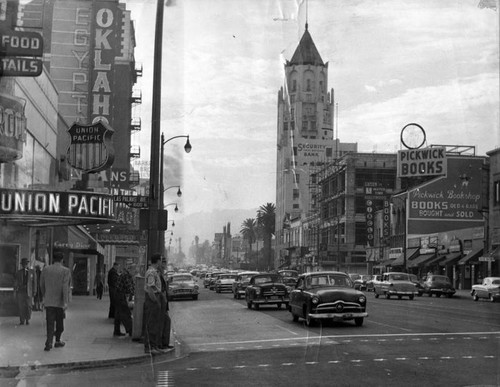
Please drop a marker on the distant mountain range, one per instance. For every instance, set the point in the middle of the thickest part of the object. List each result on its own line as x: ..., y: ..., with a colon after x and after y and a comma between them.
x: 206, y: 224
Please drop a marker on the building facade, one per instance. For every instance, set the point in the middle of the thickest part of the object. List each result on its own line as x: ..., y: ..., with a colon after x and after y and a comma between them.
x: 305, y: 137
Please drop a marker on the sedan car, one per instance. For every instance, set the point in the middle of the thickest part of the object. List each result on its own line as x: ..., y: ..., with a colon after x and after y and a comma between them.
x: 289, y: 277
x: 241, y: 283
x: 489, y: 288
x: 266, y: 289
x: 370, y: 284
x: 182, y: 286
x: 224, y: 282
x: 438, y: 285
x: 360, y: 283
x: 396, y: 284
x: 327, y: 295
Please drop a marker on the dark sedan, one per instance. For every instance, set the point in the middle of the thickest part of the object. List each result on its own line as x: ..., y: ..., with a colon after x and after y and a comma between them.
x: 266, y: 289
x: 438, y: 285
x: 327, y: 295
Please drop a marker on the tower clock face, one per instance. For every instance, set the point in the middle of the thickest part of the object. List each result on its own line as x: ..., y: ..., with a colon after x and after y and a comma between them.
x: 413, y: 136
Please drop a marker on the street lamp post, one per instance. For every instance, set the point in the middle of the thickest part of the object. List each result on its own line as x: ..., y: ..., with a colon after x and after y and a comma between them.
x: 179, y: 192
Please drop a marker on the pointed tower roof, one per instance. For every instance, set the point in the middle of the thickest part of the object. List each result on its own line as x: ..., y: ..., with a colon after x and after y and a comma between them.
x: 306, y: 52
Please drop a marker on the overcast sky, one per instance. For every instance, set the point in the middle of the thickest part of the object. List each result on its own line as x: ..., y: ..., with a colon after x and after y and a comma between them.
x: 391, y: 62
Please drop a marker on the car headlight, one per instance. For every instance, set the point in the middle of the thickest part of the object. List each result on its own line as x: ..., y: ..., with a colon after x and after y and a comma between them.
x: 196, y: 287
x: 362, y: 299
x: 315, y: 300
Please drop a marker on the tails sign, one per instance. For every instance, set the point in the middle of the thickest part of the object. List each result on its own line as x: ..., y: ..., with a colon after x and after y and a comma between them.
x: 91, y: 149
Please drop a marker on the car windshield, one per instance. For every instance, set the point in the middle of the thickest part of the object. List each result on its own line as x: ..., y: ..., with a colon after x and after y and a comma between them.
x: 495, y: 282
x: 267, y: 278
x: 399, y: 277
x: 246, y: 277
x: 440, y: 278
x: 227, y: 276
x: 289, y: 274
x: 182, y: 278
x: 327, y: 280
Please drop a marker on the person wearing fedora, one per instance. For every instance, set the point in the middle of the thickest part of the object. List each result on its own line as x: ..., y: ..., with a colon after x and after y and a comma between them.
x: 25, y: 289
x: 55, y: 283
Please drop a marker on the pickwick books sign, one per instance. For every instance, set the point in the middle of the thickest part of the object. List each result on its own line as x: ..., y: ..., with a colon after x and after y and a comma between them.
x: 91, y: 148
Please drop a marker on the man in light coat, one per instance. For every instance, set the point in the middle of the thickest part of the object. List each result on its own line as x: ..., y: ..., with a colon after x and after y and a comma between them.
x: 55, y: 283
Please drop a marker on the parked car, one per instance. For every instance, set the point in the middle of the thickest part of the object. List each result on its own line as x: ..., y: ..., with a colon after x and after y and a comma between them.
x: 418, y: 284
x: 395, y: 284
x: 327, y: 295
x: 241, y: 283
x: 206, y: 279
x: 225, y: 282
x: 354, y: 277
x: 360, y: 283
x: 266, y: 289
x: 182, y: 286
x: 213, y: 278
x: 438, y: 285
x: 289, y: 277
x: 489, y: 288
x: 370, y: 284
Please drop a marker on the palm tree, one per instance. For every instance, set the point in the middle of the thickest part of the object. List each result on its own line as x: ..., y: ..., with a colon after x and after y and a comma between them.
x: 266, y: 220
x: 249, y: 232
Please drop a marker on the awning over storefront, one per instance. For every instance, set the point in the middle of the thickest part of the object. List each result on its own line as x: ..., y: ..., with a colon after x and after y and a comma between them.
x: 451, y: 259
x: 410, y: 253
x: 76, y: 238
x: 472, y: 255
x: 421, y: 260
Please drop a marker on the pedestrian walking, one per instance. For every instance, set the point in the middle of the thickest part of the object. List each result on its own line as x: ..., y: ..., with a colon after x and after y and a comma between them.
x: 124, y: 292
x: 55, y: 283
x: 152, y: 307
x: 37, y: 302
x: 113, y: 275
x: 165, y: 320
x: 25, y: 289
x: 99, y: 284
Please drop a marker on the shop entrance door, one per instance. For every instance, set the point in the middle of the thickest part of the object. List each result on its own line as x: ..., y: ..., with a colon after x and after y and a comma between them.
x: 80, y: 276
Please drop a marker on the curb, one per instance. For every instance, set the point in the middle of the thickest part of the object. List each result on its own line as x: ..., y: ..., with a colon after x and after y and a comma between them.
x: 13, y: 371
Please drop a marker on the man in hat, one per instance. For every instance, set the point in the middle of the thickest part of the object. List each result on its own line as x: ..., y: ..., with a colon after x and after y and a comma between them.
x: 25, y: 289
x: 55, y: 283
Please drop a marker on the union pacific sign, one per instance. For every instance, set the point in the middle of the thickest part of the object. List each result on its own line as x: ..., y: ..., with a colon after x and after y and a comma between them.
x: 71, y: 205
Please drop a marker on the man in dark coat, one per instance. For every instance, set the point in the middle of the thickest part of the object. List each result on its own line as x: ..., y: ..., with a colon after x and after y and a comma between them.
x: 25, y: 288
x: 113, y: 275
x: 124, y: 292
x: 164, y: 316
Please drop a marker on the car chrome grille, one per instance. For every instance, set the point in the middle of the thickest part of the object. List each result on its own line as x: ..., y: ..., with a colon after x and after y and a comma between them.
x: 183, y: 291
x: 274, y: 292
x: 340, y: 307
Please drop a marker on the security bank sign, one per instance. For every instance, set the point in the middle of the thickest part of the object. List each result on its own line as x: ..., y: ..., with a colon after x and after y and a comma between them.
x: 422, y: 162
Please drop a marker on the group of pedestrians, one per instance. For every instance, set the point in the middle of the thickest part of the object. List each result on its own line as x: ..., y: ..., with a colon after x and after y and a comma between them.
x: 156, y: 321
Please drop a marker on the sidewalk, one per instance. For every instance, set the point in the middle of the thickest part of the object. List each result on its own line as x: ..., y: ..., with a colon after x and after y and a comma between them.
x: 88, y: 335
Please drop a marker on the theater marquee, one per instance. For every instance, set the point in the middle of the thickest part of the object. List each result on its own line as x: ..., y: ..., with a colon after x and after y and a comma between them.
x: 32, y: 205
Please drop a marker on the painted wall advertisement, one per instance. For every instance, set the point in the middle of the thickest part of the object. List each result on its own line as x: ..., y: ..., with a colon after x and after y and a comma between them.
x: 451, y: 202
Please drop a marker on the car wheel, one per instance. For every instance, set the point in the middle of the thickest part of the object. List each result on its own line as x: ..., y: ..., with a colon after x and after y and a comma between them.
x: 492, y: 299
x: 195, y: 297
x: 449, y: 295
x: 295, y: 318
x: 400, y: 297
x: 257, y: 306
x: 438, y: 295
x: 376, y: 295
x: 429, y: 294
x: 358, y: 321
x: 412, y: 297
x: 474, y: 296
x: 387, y: 295
x: 278, y: 305
x: 234, y: 295
x: 238, y: 296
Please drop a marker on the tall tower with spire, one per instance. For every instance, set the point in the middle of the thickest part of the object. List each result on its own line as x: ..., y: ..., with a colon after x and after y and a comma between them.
x: 305, y: 138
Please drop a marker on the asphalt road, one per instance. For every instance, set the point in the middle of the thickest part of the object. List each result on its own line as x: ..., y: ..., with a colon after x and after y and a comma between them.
x: 424, y: 342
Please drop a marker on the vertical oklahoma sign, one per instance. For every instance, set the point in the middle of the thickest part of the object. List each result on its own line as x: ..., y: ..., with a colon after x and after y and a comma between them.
x: 106, y: 39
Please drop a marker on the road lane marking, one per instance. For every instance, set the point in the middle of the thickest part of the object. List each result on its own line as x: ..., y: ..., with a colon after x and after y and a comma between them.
x: 287, y: 330
x: 390, y: 326
x: 340, y: 337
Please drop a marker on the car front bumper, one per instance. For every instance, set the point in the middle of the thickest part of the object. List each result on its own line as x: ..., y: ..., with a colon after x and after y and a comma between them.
x: 402, y: 293
x: 271, y: 300
x: 338, y: 316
